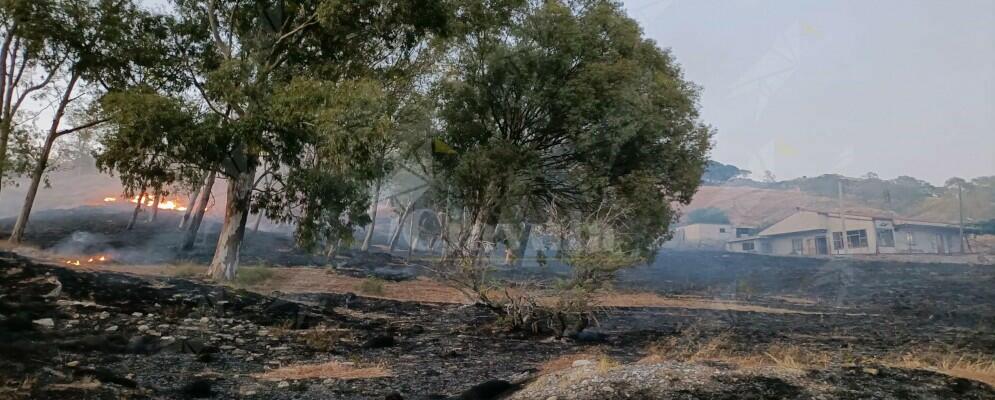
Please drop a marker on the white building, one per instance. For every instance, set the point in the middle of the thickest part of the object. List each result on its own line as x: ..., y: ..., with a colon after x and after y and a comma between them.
x: 707, y: 235
x: 809, y: 232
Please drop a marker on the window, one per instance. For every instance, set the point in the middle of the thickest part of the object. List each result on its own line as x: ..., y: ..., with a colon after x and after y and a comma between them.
x: 766, y: 247
x: 909, y: 237
x: 740, y: 232
x: 837, y: 240
x: 722, y: 230
x: 857, y: 238
x: 796, y: 246
x: 886, y: 238
x: 748, y: 246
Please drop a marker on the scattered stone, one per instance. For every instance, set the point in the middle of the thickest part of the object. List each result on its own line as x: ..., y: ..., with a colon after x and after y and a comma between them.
x: 112, y: 328
x: 283, y: 384
x: 581, y: 363
x: 44, y: 322
x: 72, y: 364
x: 136, y: 314
x: 104, y: 315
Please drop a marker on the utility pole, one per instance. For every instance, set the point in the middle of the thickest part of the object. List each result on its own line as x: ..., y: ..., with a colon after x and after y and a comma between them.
x: 960, y: 208
x: 839, y: 189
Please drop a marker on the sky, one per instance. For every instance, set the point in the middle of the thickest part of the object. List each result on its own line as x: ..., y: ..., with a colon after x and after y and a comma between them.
x: 804, y: 88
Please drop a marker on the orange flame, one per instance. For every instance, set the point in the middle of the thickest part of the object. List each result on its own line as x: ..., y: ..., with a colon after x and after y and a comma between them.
x: 163, y: 205
x: 90, y: 260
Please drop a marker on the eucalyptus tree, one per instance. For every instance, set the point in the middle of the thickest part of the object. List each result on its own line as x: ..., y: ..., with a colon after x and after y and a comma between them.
x: 568, y: 106
x: 99, y: 44
x: 302, y: 94
x: 26, y: 68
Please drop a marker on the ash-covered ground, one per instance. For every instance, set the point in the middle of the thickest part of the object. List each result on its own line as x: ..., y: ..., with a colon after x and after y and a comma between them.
x: 817, y: 329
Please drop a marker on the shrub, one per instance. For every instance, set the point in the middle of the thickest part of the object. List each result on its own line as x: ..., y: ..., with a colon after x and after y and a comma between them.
x: 372, y: 286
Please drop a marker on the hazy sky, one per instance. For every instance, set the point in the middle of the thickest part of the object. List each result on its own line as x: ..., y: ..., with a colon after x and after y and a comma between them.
x: 813, y: 87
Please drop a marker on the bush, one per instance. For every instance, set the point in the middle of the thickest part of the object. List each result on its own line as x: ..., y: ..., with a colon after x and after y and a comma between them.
x: 372, y: 286
x: 253, y: 276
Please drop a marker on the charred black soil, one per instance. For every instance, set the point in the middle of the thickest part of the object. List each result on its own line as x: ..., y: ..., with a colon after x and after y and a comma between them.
x: 69, y: 333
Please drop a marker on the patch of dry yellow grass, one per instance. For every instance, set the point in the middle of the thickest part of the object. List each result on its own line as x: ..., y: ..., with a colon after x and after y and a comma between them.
x: 328, y: 370
x: 977, y: 367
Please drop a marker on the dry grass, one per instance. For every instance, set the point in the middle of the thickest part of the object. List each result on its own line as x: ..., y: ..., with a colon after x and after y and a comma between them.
x: 977, y: 367
x: 697, y: 303
x: 695, y: 346
x: 328, y: 370
x: 566, y: 361
x: 323, y: 338
x: 86, y: 383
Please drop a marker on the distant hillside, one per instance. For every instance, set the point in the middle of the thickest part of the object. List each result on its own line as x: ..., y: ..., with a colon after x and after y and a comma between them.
x: 750, y: 202
x: 762, y: 207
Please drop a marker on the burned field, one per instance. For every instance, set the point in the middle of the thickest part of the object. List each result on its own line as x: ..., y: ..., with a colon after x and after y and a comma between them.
x: 691, y: 326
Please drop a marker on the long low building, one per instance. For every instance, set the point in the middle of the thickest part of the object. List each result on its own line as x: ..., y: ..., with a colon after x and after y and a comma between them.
x: 810, y: 232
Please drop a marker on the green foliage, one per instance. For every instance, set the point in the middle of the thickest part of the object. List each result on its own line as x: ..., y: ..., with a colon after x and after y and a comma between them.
x: 718, y: 173
x: 708, y: 215
x: 570, y: 104
x: 372, y: 286
x: 253, y: 276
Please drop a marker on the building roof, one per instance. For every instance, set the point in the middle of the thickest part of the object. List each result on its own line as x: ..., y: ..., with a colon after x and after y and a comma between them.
x: 805, y: 220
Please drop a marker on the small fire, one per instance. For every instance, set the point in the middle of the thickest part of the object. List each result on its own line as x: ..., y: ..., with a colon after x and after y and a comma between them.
x: 90, y: 260
x: 110, y: 199
x: 163, y: 205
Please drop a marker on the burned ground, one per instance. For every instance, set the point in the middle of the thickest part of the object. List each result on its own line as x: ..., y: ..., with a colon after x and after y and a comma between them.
x: 793, y: 328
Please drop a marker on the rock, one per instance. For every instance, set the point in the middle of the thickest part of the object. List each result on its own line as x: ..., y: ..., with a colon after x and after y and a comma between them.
x: 379, y: 342
x: 72, y: 364
x: 581, y: 363
x: 198, y: 389
x: 106, y: 376
x: 142, y: 344
x: 143, y: 328
x: 283, y: 384
x: 112, y: 328
x: 104, y: 315
x: 44, y: 322
x: 136, y: 314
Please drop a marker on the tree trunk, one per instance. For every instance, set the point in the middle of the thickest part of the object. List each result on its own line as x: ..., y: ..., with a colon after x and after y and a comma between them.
x: 333, y: 250
x: 400, y: 223
x: 373, y: 219
x: 5, y: 126
x: 225, y: 262
x: 191, y: 235
x: 155, y: 208
x: 523, y: 244
x: 190, y: 204
x: 17, y: 234
x: 53, y: 133
x: 259, y: 218
x: 138, y: 208
x: 412, y: 239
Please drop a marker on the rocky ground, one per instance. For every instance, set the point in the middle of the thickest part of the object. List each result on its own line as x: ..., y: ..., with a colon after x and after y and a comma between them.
x: 793, y: 328
x: 68, y: 333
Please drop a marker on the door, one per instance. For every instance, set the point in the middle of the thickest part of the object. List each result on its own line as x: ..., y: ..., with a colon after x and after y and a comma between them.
x: 821, y: 245
x: 941, y: 247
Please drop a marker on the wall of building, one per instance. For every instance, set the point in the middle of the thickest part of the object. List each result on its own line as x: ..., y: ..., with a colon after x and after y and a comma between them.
x: 926, y: 240
x: 702, y: 235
